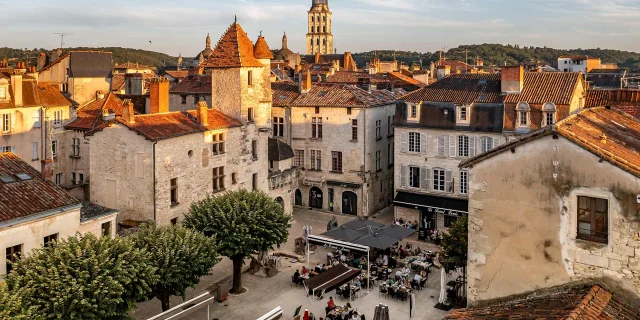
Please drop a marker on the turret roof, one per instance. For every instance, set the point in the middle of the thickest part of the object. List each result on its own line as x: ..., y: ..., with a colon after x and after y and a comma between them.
x: 261, y: 49
x: 234, y: 49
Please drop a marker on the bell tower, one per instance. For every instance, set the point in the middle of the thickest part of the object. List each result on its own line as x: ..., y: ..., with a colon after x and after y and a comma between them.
x: 319, y: 34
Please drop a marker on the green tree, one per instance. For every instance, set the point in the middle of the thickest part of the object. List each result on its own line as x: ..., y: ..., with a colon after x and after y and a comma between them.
x: 84, y: 277
x: 11, y: 306
x: 180, y: 255
x: 243, y: 223
x: 454, y: 245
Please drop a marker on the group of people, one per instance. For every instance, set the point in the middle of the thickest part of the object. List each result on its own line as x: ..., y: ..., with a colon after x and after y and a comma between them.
x: 348, y: 259
x: 347, y: 312
x: 407, y: 224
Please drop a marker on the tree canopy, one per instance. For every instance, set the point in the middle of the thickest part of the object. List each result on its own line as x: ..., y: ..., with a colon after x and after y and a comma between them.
x: 454, y: 245
x: 180, y: 255
x: 83, y: 277
x: 243, y: 223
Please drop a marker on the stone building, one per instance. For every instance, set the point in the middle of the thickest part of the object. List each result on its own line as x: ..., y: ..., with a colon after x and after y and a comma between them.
x: 557, y: 205
x: 186, y: 94
x: 35, y: 212
x: 342, y: 140
x: 286, y: 55
x: 80, y: 74
x: 283, y: 176
x: 130, y: 67
x: 319, y: 34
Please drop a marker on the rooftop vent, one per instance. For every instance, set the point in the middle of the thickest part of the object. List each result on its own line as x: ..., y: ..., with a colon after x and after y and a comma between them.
x: 24, y: 176
x: 7, y: 179
x: 482, y: 97
x: 482, y: 82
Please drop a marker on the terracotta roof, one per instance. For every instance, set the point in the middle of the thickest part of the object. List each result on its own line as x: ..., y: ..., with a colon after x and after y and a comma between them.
x: 407, y: 79
x: 90, y: 115
x: 261, y: 49
x: 339, y: 95
x: 633, y: 111
x: 216, y: 120
x: 460, y: 89
x: 381, y: 80
x: 580, y: 302
x: 178, y: 74
x: 23, y: 198
x: 29, y: 95
x: 597, y: 98
x: 131, y: 65
x: 608, y: 133
x: 284, y: 93
x: 234, y: 49
x: 117, y: 82
x: 49, y: 95
x: 455, y: 65
x: 622, y: 99
x: 352, y: 77
x: 197, y: 84
x: 543, y: 87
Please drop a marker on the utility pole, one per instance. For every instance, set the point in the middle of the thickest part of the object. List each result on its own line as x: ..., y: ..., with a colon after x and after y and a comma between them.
x: 62, y: 34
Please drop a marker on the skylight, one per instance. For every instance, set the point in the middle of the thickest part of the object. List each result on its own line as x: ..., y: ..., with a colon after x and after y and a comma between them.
x: 482, y: 81
x: 7, y: 179
x: 482, y: 97
x: 283, y: 97
x: 323, y: 93
x: 23, y: 176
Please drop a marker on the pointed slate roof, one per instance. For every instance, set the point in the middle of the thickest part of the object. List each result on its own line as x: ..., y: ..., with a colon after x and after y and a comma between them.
x: 234, y: 50
x: 261, y: 49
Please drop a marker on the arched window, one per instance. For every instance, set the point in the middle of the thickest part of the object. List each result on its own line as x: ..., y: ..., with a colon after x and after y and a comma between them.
x: 311, y: 42
x: 313, y: 29
x: 313, y: 19
x: 318, y: 42
x: 549, y: 114
x: 324, y: 42
x: 324, y: 29
x: 523, y: 110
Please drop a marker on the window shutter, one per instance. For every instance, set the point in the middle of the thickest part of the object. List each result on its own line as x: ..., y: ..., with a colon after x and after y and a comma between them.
x: 429, y: 180
x: 472, y: 146
x: 496, y: 142
x: 448, y: 187
x: 404, y: 137
x: 423, y: 143
x: 441, y: 146
x: 403, y: 176
x: 424, y: 182
x: 12, y: 120
x: 13, y: 149
x: 452, y: 146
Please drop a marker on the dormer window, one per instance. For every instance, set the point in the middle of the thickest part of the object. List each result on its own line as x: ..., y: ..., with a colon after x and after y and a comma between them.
x: 463, y: 114
x: 549, y: 114
x: 523, y: 109
x: 3, y: 92
x: 413, y: 112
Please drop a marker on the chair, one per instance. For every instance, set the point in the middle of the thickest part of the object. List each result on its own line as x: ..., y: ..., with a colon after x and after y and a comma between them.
x: 338, y: 292
x: 382, y: 290
x: 391, y: 293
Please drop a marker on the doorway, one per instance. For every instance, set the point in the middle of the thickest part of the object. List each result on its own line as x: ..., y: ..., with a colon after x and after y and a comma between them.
x: 349, y: 203
x: 298, y: 197
x: 315, y: 198
x: 330, y: 199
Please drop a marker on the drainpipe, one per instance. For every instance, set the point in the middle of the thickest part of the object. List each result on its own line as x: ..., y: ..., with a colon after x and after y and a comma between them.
x: 154, y: 183
x: 364, y: 166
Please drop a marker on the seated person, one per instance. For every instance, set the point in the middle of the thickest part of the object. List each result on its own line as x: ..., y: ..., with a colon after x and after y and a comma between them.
x: 356, y: 261
x: 409, y: 225
x: 335, y: 262
x: 343, y: 258
x: 424, y: 274
x: 357, y: 283
x: 406, y: 270
x: 385, y: 260
x: 399, y: 274
x: 305, y: 271
x: 296, y: 277
x: 355, y: 316
x: 415, y: 224
x: 331, y: 304
x: 417, y: 277
x: 408, y: 247
x: 379, y: 260
x: 390, y: 282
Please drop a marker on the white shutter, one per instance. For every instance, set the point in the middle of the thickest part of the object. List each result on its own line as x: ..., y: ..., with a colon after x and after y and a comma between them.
x: 448, y: 186
x: 441, y: 146
x: 424, y: 182
x: 404, y: 137
x: 472, y: 146
x: 403, y: 176
x: 423, y: 143
x: 13, y: 149
x: 12, y: 120
x: 496, y: 142
x: 429, y: 181
x: 452, y: 146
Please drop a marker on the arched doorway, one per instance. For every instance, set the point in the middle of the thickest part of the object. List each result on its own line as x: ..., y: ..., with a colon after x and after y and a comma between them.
x: 315, y: 198
x: 280, y: 201
x: 349, y: 203
x: 298, y: 198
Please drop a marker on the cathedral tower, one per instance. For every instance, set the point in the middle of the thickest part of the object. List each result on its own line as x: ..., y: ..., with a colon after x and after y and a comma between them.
x: 319, y: 36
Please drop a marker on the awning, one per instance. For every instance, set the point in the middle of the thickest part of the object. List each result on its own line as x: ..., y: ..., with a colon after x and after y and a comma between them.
x: 361, y: 223
x: 332, y: 278
x: 345, y: 234
x: 344, y: 184
x: 448, y: 206
x: 377, y: 240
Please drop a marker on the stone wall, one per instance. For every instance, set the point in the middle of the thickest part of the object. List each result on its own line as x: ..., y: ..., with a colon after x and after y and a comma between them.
x: 23, y: 134
x: 522, y: 220
x: 175, y: 101
x: 83, y: 90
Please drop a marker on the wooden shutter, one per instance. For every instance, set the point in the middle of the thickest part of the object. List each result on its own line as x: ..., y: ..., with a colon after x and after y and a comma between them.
x: 403, y: 176
x: 448, y: 186
x: 441, y: 147
x: 423, y: 143
x: 404, y: 137
x: 496, y: 142
x: 429, y: 179
x: 472, y: 146
x: 452, y: 146
x: 424, y: 182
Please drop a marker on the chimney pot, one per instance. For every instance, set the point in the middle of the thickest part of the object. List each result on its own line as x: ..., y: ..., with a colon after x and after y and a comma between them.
x: 128, y: 115
x: 203, y: 113
x: 512, y: 79
x: 305, y: 82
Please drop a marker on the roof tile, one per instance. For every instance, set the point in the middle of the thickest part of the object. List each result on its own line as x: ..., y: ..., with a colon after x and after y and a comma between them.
x: 234, y: 49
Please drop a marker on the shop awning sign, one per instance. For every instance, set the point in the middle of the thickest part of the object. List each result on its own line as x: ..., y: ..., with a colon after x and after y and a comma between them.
x: 313, y: 182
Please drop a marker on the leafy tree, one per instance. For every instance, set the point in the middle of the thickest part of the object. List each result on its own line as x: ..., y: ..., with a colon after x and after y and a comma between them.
x: 11, y: 306
x: 181, y: 257
x: 84, y: 277
x: 243, y: 223
x: 454, y: 245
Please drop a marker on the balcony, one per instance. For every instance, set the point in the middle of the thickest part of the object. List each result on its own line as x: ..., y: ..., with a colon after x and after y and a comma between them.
x: 284, y: 179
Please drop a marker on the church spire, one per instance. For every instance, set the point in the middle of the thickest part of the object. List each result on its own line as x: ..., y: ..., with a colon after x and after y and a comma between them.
x: 284, y: 41
x: 208, y: 42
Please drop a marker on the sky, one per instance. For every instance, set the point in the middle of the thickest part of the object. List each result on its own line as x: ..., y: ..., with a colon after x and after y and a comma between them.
x: 180, y: 27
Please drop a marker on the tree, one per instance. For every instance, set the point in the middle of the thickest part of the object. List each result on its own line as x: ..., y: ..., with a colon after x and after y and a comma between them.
x: 11, y: 307
x: 454, y: 245
x: 83, y: 277
x: 243, y: 223
x: 181, y: 257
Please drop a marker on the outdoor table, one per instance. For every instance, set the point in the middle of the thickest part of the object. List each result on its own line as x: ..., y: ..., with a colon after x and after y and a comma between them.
x: 425, y: 265
x: 336, y: 313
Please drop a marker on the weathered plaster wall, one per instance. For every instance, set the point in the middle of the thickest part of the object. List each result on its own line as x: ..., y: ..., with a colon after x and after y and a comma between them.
x: 23, y: 134
x: 83, y: 90
x: 175, y: 101
x: 522, y: 220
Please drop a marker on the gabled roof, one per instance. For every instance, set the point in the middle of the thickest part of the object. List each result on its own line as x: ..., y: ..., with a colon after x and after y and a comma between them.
x: 279, y: 150
x: 543, y: 87
x: 29, y: 95
x: 86, y: 64
x: 460, y: 89
x: 49, y: 95
x: 90, y: 115
x: 261, y: 49
x: 178, y: 74
x: 284, y: 93
x: 234, y: 49
x: 22, y: 198
x: 339, y: 95
x: 607, y: 133
x: 196, y: 84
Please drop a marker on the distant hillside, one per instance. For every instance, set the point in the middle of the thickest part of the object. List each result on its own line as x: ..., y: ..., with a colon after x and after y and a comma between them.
x: 120, y: 55
x: 497, y: 55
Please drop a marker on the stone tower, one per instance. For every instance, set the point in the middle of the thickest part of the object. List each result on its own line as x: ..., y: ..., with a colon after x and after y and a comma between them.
x: 319, y: 36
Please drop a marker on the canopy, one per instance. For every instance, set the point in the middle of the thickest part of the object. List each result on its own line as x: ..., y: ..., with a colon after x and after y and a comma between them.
x: 345, y: 234
x: 449, y: 206
x: 362, y: 223
x: 377, y: 240
x: 396, y: 231
x: 332, y: 278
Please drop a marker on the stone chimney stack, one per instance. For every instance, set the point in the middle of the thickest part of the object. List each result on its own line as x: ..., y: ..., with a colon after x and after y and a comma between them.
x: 305, y: 82
x: 99, y: 95
x: 33, y: 72
x: 512, y: 79
x: 16, y: 86
x: 159, y: 95
x: 42, y: 60
x: 134, y: 84
x: 443, y: 71
x: 432, y: 69
x: 128, y: 115
x: 203, y: 113
x: 317, y: 58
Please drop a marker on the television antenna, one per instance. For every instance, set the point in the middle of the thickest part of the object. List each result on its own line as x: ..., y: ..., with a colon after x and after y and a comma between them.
x: 62, y: 34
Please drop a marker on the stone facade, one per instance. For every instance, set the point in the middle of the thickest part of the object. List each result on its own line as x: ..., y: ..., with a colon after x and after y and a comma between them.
x: 523, y: 220
x: 319, y: 34
x: 190, y: 101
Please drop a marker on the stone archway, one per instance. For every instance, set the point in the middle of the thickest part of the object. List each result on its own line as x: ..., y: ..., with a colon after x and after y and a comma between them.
x: 349, y: 203
x: 315, y: 198
x: 298, y: 198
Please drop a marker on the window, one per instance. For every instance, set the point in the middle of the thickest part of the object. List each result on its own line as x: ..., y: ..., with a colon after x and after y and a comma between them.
x: 464, y: 182
x: 486, y: 144
x: 549, y: 118
x: 49, y: 240
x: 250, y: 114
x: 379, y: 129
x: 278, y: 127
x: 106, y: 229
x: 354, y: 129
x: 174, y: 221
x: 389, y: 126
x: 254, y: 149
x: 54, y: 148
x: 316, y: 160
x: 174, y: 191
x: 234, y: 178
x: 58, y: 179
x: 316, y: 127
x: 349, y: 110
x: 75, y: 147
x: 439, y: 180
x: 390, y: 153
x: 549, y: 112
x: 463, y: 146
x: 13, y: 254
x: 317, y: 110
x: 413, y: 111
x: 218, y: 143
x: 378, y: 160
x: 593, y: 219
x: 336, y: 161
x: 57, y: 118
x: 254, y: 181
x: 65, y: 87
x: 298, y: 158
x: 73, y: 178
x: 250, y: 78
x: 523, y: 110
x: 80, y: 178
x: 35, y: 151
x: 8, y: 149
x: 3, y: 92
x: 6, y: 122
x: 196, y: 99
x: 183, y: 99
x: 462, y: 114
x: 218, y: 179
x: 414, y: 142
x: 36, y: 119
x: 414, y: 177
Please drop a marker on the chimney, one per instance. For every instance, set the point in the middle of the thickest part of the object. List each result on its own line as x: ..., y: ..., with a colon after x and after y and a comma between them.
x: 107, y: 115
x: 298, y: 68
x: 134, y: 84
x: 203, y: 112
x: 16, y: 86
x: 42, y: 60
x: 317, y: 58
x: 128, y: 115
x: 512, y: 79
x: 99, y: 95
x: 33, y: 72
x: 3, y: 64
x: 432, y: 68
x: 159, y: 95
x: 305, y: 81
x: 443, y: 71
x: 47, y: 169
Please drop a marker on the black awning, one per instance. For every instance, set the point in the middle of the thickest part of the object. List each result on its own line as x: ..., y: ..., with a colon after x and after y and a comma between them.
x: 344, y: 184
x: 332, y: 278
x: 432, y: 203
